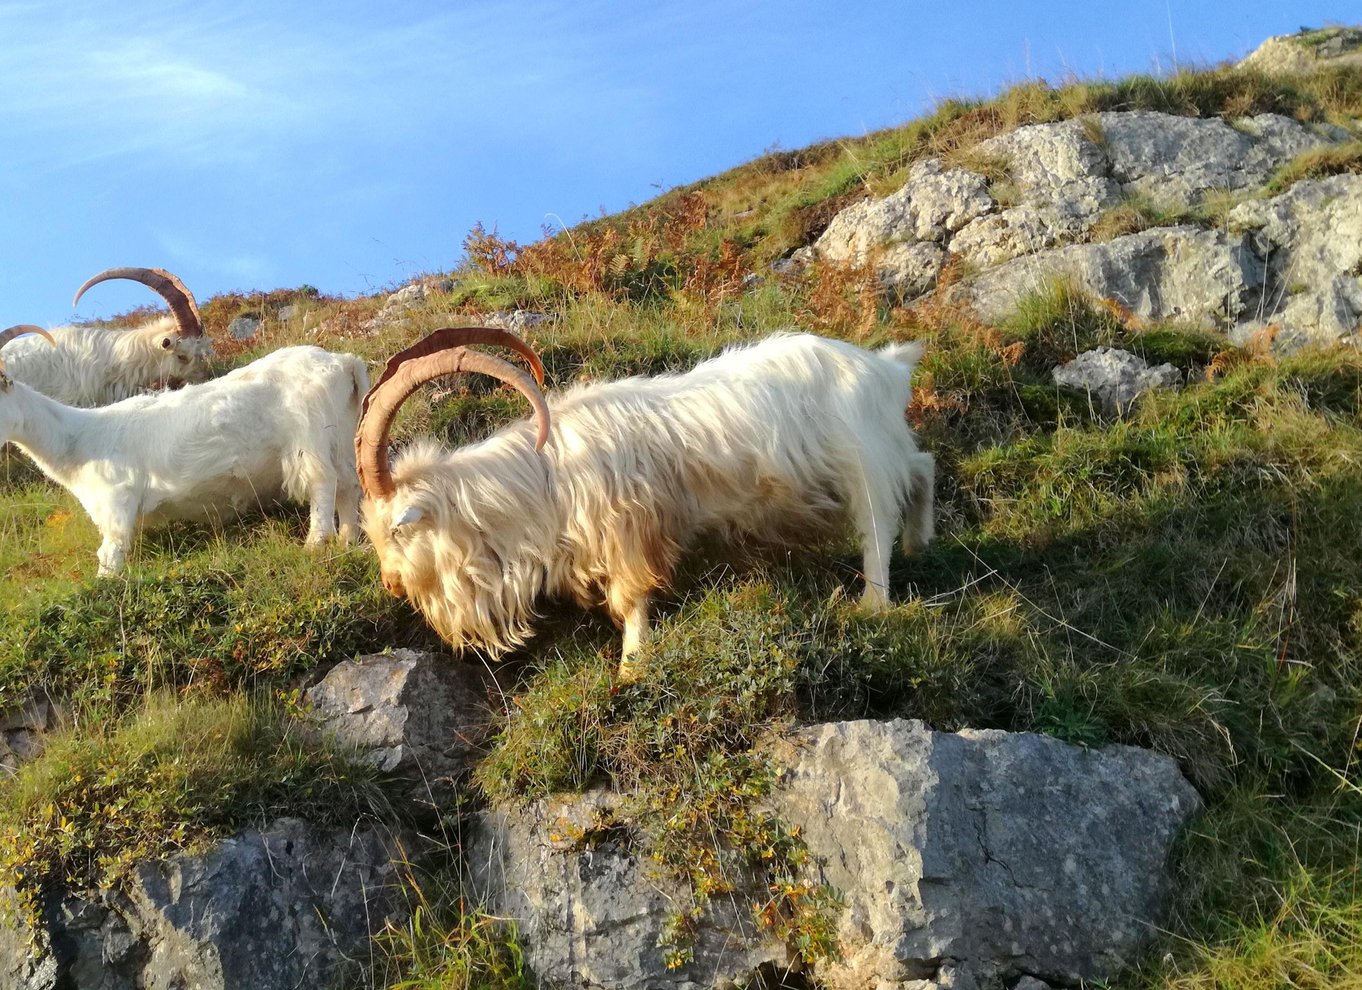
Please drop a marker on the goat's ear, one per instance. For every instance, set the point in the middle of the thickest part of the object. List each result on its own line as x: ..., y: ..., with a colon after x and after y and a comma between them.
x: 167, y: 343
x: 411, y: 514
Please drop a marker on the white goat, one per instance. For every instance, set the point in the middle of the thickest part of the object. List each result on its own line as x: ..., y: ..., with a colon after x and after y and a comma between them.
x: 93, y: 366
x: 784, y: 438
x: 279, y: 426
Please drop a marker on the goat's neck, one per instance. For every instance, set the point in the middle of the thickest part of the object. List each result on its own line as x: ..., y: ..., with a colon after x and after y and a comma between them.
x: 47, y: 432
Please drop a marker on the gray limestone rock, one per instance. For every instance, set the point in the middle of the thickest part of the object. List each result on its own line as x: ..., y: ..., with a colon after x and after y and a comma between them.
x: 1025, y: 229
x: 22, y: 728
x: 1307, y: 51
x: 1184, y: 273
x: 1115, y: 378
x: 1006, y: 852
x: 591, y: 912
x: 965, y: 860
x: 906, y: 270
x: 933, y: 203
x: 1311, y: 238
x: 33, y: 712
x: 1057, y: 165
x: 244, y: 327
x: 1176, y: 160
x: 412, y: 712
x: 408, y: 297
x: 1067, y: 173
x: 271, y: 910
x: 517, y: 320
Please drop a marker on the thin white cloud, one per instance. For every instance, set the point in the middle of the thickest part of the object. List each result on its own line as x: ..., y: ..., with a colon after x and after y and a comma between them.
x: 186, y: 253
x: 95, y: 84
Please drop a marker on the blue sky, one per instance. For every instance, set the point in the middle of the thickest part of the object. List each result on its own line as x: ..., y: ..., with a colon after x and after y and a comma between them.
x: 352, y: 145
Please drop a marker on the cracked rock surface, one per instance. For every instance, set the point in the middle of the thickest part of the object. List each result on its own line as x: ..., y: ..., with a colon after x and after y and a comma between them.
x: 966, y: 859
x: 270, y: 909
x: 1289, y: 260
x: 1114, y: 377
x: 1004, y: 853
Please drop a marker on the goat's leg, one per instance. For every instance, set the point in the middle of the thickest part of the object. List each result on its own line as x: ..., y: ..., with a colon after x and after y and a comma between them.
x: 117, y: 525
x: 920, y: 528
x: 636, y: 633
x: 347, y: 508
x: 875, y: 512
x: 322, y: 513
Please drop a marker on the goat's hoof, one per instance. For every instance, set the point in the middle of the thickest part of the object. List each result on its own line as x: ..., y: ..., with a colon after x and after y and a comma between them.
x: 874, y: 600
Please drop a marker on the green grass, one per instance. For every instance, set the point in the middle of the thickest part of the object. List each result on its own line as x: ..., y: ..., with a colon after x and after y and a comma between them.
x: 248, y: 608
x: 1139, y: 212
x: 171, y: 775
x: 1183, y: 578
x: 1317, y: 163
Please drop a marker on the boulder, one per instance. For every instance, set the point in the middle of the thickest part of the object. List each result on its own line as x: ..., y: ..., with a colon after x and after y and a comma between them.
x: 1208, y: 277
x: 1115, y: 378
x: 1060, y: 178
x: 1311, y: 238
x: 903, y: 235
x: 244, y: 327
x: 517, y: 320
x: 412, y: 712
x: 1176, y: 160
x: 964, y: 859
x: 22, y: 728
x: 1307, y: 51
x: 1066, y: 174
x: 273, y: 909
x: 406, y: 298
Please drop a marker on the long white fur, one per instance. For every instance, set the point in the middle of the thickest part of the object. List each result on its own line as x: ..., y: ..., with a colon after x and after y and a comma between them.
x: 279, y: 426
x: 94, y: 366
x: 781, y: 439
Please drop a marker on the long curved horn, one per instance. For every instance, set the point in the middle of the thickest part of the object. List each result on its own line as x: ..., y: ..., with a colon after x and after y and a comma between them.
x: 446, y: 337
x: 18, y: 330
x: 164, y: 284
x: 15, y: 331
x: 386, y: 398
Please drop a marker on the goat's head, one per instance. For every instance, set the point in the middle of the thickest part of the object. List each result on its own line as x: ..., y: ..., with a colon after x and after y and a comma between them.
x: 390, y: 512
x: 186, y: 351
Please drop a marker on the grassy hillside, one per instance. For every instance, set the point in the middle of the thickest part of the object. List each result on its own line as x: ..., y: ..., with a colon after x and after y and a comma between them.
x: 1185, y: 579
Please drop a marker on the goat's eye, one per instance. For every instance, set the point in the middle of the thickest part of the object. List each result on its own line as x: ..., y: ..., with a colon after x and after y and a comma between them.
x: 182, y: 358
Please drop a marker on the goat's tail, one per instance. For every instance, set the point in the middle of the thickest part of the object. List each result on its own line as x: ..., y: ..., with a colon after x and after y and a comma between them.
x: 907, y: 354
x: 359, y: 376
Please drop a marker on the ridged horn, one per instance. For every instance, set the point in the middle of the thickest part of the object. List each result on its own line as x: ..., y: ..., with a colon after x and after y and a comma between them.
x: 447, y: 337
x: 164, y: 284
x: 19, y: 330
x: 409, y: 370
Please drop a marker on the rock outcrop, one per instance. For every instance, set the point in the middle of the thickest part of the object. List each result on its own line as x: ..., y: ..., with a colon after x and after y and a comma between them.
x: 1307, y: 51
x: 270, y: 909
x: 22, y: 729
x: 1114, y: 378
x: 964, y: 859
x: 976, y: 856
x: 1310, y: 242
x: 1290, y: 260
x: 409, y: 712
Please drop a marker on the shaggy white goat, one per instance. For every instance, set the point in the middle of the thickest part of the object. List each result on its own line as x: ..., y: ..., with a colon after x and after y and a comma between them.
x: 785, y: 438
x: 93, y: 366
x: 279, y: 426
